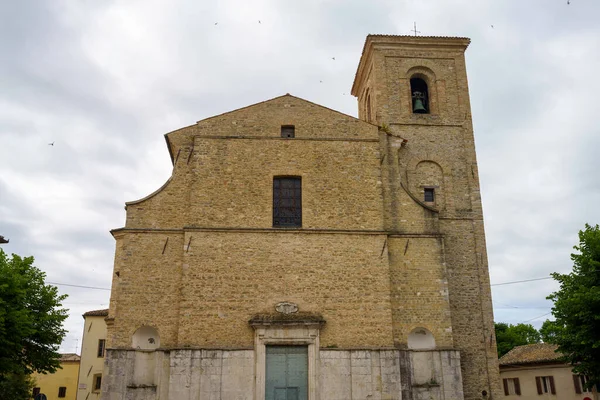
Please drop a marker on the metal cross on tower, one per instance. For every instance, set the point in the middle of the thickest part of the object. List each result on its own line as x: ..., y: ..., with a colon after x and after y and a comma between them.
x: 415, y: 30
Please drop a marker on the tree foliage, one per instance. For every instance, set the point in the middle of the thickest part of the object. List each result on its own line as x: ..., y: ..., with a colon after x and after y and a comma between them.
x: 549, y: 330
x: 577, y: 307
x: 31, y: 317
x: 16, y: 386
x: 509, y: 336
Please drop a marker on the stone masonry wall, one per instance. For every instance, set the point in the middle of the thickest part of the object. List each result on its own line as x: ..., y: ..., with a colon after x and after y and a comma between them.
x: 199, y: 257
x: 419, y: 289
x: 444, y: 137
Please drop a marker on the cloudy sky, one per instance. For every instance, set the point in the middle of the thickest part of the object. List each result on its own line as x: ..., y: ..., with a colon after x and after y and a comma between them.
x: 104, y: 80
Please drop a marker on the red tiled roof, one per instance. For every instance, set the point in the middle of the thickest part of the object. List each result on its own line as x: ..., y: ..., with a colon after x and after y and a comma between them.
x: 530, y: 354
x: 97, y: 313
x: 69, y: 357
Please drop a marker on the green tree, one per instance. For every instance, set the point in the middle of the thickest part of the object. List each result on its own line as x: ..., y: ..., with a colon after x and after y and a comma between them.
x: 16, y: 386
x: 577, y: 307
x: 31, y: 318
x: 509, y: 336
x: 549, y: 330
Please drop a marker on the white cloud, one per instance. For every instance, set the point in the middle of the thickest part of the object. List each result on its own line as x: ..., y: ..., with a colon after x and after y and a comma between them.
x: 105, y: 80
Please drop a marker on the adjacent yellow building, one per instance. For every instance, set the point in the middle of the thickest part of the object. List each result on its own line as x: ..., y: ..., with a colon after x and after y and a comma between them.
x: 63, y: 383
x: 92, y: 355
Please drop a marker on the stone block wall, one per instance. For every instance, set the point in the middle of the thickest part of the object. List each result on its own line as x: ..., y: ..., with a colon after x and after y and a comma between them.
x: 199, y: 257
x: 197, y: 374
x: 443, y: 139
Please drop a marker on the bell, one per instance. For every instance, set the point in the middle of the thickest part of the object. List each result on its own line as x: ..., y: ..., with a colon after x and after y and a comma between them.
x: 418, y: 107
x: 419, y: 102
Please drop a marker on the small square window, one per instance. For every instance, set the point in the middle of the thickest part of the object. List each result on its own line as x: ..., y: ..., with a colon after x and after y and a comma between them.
x: 288, y: 131
x: 429, y: 195
x: 62, y: 391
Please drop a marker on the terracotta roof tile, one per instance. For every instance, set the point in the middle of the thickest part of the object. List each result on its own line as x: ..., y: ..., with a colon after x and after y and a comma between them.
x: 531, y: 353
x: 97, y: 313
x: 69, y: 357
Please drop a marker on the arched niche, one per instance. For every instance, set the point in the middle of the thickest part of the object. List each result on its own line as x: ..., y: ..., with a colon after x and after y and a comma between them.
x: 146, y: 338
x: 421, y: 339
x: 428, y: 183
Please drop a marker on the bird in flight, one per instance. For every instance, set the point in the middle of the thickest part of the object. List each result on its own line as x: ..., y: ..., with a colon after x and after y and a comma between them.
x: 259, y: 21
x: 216, y: 23
x: 333, y: 58
x: 492, y: 26
x: 51, y: 144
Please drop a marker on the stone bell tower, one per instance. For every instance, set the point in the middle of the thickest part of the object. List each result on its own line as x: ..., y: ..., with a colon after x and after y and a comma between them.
x: 415, y: 88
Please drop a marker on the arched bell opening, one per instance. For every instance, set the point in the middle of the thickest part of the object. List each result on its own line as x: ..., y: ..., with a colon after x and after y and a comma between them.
x: 419, y: 92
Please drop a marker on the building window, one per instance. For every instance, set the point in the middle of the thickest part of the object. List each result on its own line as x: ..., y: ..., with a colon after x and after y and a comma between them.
x: 288, y: 131
x: 97, y: 382
x: 62, y: 391
x: 368, y: 108
x: 287, y: 202
x: 101, y: 347
x: 511, y: 386
x: 36, y: 391
x: 429, y: 195
x: 420, y: 96
x: 545, y: 384
x: 580, y: 381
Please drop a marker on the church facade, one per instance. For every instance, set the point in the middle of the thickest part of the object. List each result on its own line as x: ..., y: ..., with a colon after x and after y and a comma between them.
x: 299, y: 253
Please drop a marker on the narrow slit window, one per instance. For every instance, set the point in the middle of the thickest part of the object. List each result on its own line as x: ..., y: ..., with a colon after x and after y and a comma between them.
x: 101, y: 347
x: 287, y: 202
x: 429, y: 195
x: 288, y: 131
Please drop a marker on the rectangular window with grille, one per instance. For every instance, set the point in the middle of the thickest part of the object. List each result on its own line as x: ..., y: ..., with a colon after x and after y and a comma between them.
x: 36, y: 391
x: 287, y: 202
x: 101, y: 347
x: 62, y: 391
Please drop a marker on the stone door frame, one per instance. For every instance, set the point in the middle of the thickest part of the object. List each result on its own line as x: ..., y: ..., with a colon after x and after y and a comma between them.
x: 297, y: 333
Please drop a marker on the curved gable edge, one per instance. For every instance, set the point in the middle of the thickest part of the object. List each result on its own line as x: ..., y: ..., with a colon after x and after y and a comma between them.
x: 157, y: 191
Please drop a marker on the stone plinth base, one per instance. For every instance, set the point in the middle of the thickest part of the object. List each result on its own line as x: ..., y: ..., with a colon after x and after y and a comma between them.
x: 192, y: 374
